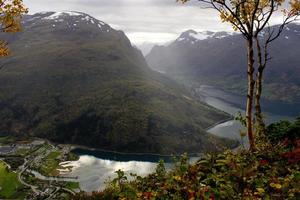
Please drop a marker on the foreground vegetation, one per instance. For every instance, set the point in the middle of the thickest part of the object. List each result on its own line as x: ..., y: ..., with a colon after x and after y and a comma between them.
x: 272, y: 171
x: 10, y: 187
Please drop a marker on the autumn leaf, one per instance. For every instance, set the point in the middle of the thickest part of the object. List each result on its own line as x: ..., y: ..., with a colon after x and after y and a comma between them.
x: 276, y: 185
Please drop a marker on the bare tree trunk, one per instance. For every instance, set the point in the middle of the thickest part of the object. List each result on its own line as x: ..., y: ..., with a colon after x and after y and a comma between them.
x: 250, y: 95
x: 258, y: 112
x: 259, y: 83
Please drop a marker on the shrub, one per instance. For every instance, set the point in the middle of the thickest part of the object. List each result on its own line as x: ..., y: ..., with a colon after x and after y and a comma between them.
x: 282, y: 130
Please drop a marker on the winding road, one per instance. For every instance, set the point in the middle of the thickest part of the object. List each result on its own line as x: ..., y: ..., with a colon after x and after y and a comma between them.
x: 34, y: 188
x: 23, y: 169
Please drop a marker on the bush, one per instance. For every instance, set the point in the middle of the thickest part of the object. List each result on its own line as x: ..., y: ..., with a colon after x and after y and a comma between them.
x: 270, y: 172
x: 284, y: 130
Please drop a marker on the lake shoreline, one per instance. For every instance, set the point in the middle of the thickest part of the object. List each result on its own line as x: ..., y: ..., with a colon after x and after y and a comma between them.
x: 198, y: 154
x: 74, y: 146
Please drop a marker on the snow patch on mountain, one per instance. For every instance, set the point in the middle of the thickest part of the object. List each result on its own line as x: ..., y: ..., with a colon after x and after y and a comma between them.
x: 201, y: 35
x: 192, y: 36
x: 57, y: 15
x: 69, y: 18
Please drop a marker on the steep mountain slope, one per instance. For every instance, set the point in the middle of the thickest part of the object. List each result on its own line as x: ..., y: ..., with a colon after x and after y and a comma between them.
x: 74, y: 79
x: 219, y: 59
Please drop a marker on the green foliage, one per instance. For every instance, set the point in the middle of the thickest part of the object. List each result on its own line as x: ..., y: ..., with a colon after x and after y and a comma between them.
x: 105, y: 98
x: 241, y: 119
x: 160, y: 169
x: 72, y: 185
x: 72, y: 157
x: 11, y: 188
x: 283, y: 130
x: 120, y: 180
x: 50, y: 164
x: 6, y: 140
x: 14, y: 161
x: 270, y: 172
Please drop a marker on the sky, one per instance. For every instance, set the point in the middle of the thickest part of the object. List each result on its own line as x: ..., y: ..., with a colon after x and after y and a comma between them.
x: 143, y: 21
x: 153, y: 21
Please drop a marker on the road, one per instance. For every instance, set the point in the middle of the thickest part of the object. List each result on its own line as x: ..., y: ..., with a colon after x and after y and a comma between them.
x: 34, y: 188
x: 23, y: 169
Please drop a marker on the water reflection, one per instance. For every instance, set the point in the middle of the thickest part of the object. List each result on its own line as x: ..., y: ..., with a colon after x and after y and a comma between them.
x: 94, y: 168
x: 94, y: 172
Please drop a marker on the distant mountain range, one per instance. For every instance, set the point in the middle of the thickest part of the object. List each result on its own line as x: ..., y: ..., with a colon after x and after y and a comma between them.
x: 73, y: 79
x: 146, y: 47
x: 219, y: 59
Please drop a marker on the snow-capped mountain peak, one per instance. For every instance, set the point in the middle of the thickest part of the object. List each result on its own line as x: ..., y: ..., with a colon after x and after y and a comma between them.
x: 57, y: 15
x: 192, y: 36
x: 69, y: 19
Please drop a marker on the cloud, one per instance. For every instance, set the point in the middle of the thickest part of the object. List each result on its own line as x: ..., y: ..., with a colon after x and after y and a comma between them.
x: 154, y: 21
x: 142, y: 20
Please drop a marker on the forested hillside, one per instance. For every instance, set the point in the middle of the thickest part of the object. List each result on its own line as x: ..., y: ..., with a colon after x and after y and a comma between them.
x: 74, y: 79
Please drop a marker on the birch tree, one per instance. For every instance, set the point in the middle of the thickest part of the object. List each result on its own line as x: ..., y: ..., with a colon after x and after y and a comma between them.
x: 252, y: 19
x: 10, y: 17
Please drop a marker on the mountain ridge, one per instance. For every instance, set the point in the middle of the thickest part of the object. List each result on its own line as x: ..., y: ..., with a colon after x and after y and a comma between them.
x: 220, y: 62
x: 87, y: 85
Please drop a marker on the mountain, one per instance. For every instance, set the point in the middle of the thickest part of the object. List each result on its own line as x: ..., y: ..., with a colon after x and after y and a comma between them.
x: 145, y: 47
x: 73, y: 79
x: 219, y: 59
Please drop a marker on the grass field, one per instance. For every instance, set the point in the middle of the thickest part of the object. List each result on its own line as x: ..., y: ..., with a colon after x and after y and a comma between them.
x: 23, y: 152
x: 72, y: 185
x: 10, y: 187
x: 7, y: 140
x: 50, y: 164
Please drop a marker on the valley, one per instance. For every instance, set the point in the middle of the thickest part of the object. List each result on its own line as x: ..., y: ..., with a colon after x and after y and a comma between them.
x: 92, y: 169
x: 82, y: 82
x: 233, y: 104
x: 85, y: 114
x: 219, y: 59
